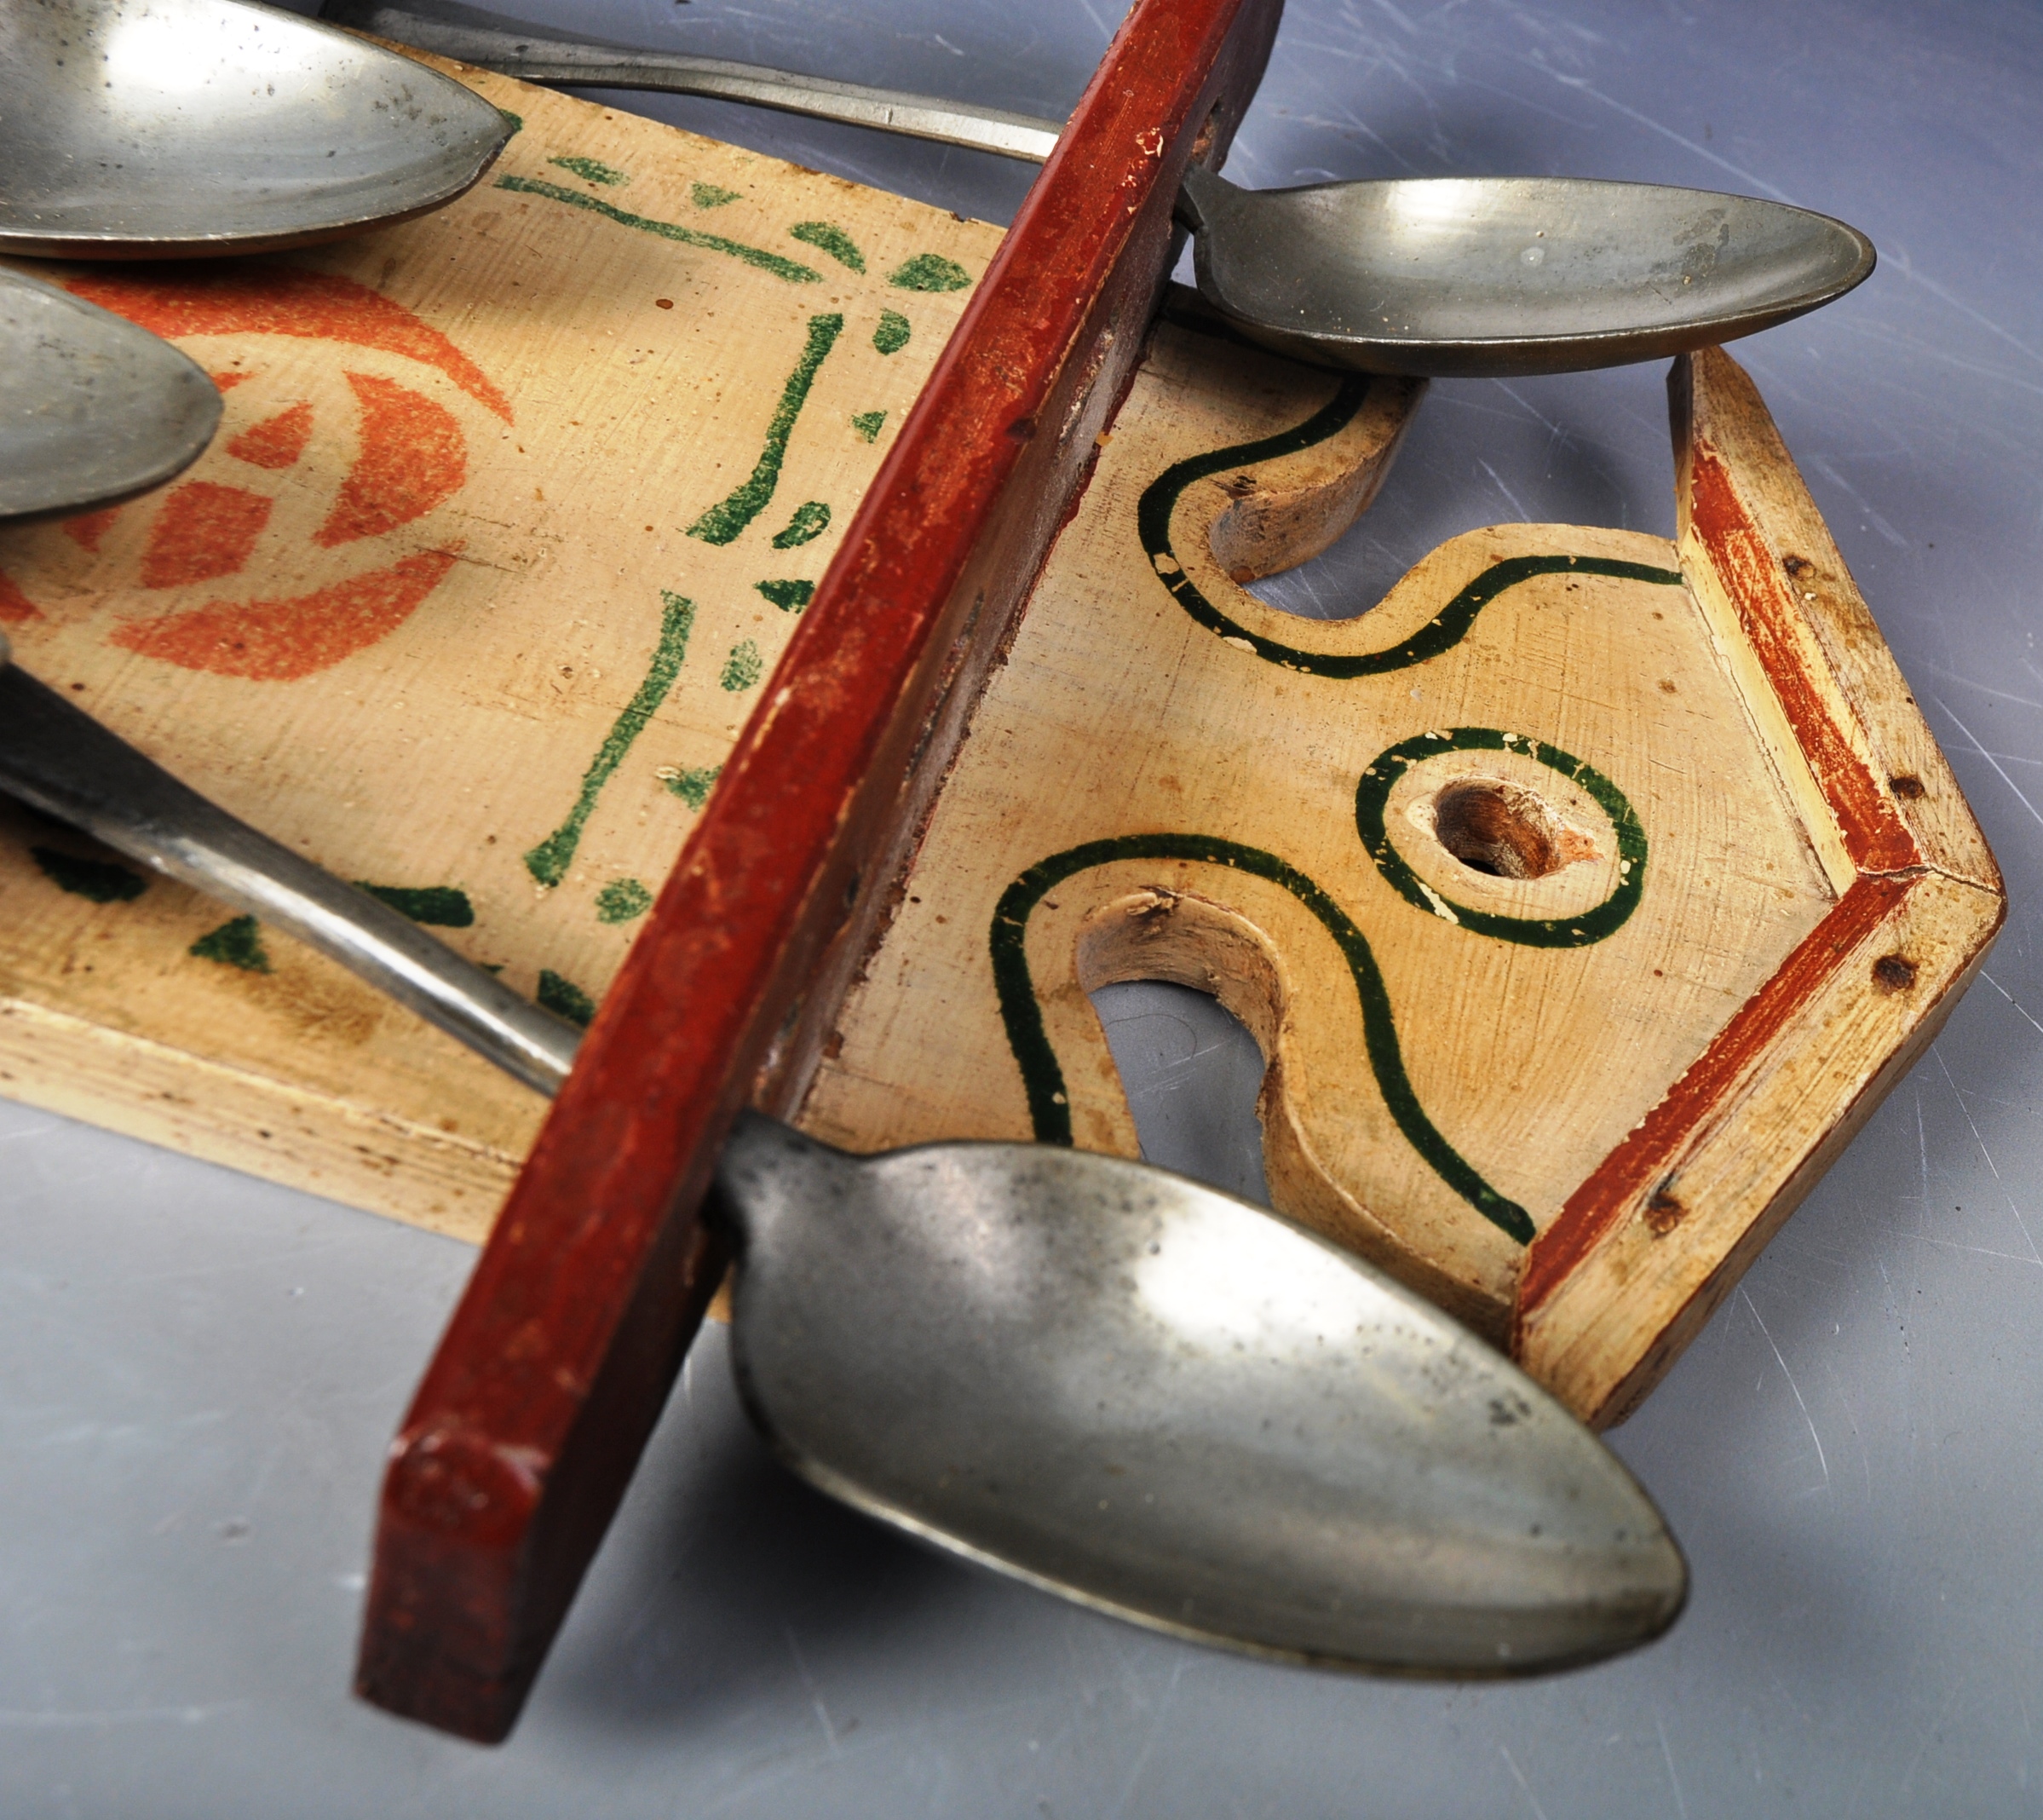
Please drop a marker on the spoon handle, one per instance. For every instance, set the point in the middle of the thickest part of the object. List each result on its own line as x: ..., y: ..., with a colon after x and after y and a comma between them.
x: 474, y: 37
x: 57, y: 758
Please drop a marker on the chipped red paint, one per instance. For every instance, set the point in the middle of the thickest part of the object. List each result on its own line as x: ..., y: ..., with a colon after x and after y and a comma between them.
x: 1876, y: 840
x: 555, y: 1364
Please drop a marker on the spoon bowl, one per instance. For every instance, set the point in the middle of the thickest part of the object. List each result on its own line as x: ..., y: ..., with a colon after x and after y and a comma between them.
x: 93, y: 410
x: 1473, y: 278
x: 161, y: 129
x: 1101, y: 1378
x: 1164, y: 1403
x: 1497, y: 277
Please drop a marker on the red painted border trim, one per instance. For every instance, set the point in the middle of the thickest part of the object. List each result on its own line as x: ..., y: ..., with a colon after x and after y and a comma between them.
x: 556, y: 1362
x: 1880, y: 846
x: 1654, y: 1147
x: 1876, y: 840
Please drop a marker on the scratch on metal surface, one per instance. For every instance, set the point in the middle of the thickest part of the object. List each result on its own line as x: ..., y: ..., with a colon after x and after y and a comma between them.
x: 2035, y: 1256
x: 1930, y: 1730
x: 1681, y: 1804
x: 1581, y: 86
x: 1156, y: 1727
x: 815, y: 1698
x: 1837, y: 1390
x: 1900, y: 260
x: 1827, y: 469
x: 2011, y: 999
x: 1792, y: 1385
x: 1930, y: 348
x: 780, y: 1765
x: 1498, y: 479
x: 1922, y: 1148
x: 1532, y: 1800
x: 1973, y: 682
x: 1998, y: 770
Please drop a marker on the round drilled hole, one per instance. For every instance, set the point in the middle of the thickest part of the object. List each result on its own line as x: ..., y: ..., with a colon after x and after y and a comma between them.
x: 1495, y: 829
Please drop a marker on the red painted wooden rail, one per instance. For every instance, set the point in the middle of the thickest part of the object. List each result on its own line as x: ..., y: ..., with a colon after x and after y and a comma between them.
x: 555, y: 1364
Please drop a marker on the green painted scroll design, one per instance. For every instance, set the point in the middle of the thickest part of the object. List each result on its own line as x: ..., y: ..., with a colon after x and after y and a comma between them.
x: 1043, y: 1078
x: 1373, y: 794
x: 593, y: 171
x: 100, y: 881
x: 931, y: 272
x: 789, y: 596
x: 893, y: 332
x: 1444, y: 630
x: 811, y: 521
x: 621, y: 900
x: 743, y: 668
x: 692, y: 786
x: 723, y: 522
x: 827, y: 237
x: 548, y: 862
x: 236, y: 943
x: 564, y: 998
x: 443, y: 906
x: 711, y: 195
x: 789, y: 269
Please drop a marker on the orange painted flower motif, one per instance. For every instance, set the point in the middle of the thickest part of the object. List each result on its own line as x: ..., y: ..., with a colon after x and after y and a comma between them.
x: 410, y: 456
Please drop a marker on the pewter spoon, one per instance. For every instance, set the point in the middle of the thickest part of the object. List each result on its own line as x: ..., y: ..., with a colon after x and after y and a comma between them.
x: 93, y: 409
x: 1102, y: 1378
x: 1485, y: 277
x: 158, y: 128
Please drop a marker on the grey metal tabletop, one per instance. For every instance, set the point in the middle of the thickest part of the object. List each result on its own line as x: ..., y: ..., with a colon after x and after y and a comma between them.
x: 199, y: 1371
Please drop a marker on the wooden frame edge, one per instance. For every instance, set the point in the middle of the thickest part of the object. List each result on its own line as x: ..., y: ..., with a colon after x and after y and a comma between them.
x: 1606, y: 1334
x: 554, y: 1367
x: 314, y: 1141
x: 1892, y: 830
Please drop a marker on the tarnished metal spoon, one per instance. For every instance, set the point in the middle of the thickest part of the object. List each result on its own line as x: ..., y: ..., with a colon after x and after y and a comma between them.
x: 1472, y: 277
x: 159, y: 129
x: 1102, y: 1378
x: 93, y: 409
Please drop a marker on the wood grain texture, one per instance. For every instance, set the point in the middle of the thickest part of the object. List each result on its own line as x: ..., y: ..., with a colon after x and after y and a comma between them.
x: 1583, y: 894
x: 1170, y: 779
x: 458, y: 603
x: 555, y: 1364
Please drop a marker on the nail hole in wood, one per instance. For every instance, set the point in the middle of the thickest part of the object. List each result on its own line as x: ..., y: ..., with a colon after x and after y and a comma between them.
x: 1796, y: 565
x: 1894, y: 973
x: 1495, y: 829
x: 1906, y: 786
x: 1663, y: 1211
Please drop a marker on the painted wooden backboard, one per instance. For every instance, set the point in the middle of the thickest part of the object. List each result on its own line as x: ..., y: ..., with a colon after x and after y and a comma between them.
x: 510, y: 514
x: 1496, y: 873
x: 1583, y: 894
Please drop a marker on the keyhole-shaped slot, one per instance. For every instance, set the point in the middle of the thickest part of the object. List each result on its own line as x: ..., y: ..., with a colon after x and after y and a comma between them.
x: 1498, y: 829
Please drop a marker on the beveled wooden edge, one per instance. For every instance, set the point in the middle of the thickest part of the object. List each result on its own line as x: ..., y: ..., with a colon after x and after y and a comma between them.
x: 1605, y: 1333
x: 1664, y: 1225
x: 555, y: 1364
